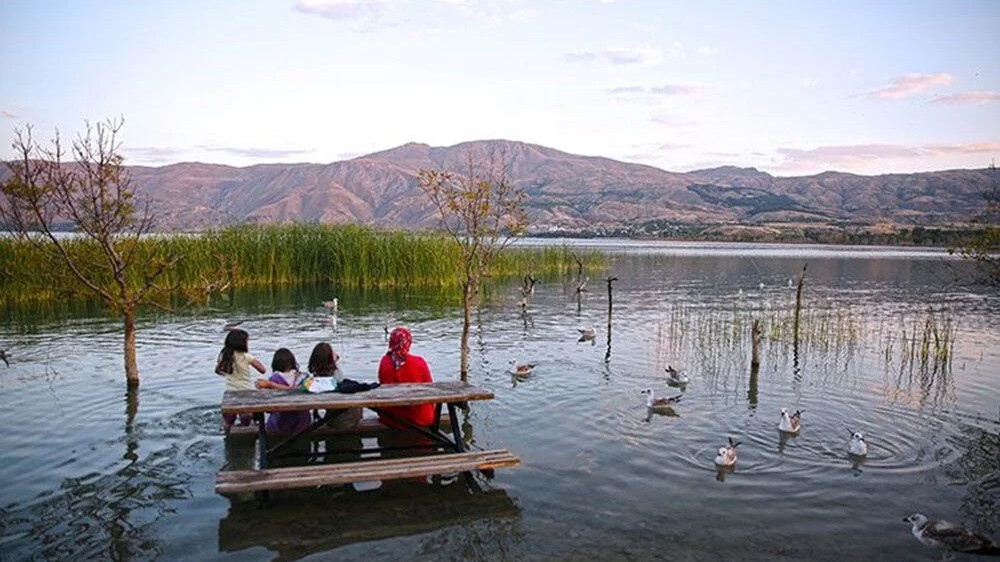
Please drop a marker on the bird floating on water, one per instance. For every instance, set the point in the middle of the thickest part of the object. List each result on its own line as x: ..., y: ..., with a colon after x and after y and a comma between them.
x: 521, y: 369
x: 792, y: 423
x: 587, y: 333
x: 761, y: 286
x: 331, y: 305
x: 660, y: 404
x: 857, y: 445
x: 727, y: 454
x: 675, y: 377
x: 942, y: 534
x: 3, y: 356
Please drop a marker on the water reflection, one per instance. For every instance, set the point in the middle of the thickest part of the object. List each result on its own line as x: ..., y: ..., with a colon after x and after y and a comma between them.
x: 480, y: 523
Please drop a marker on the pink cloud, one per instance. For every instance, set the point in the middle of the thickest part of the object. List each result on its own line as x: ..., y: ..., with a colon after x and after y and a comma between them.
x: 909, y: 84
x: 966, y: 97
x: 862, y: 155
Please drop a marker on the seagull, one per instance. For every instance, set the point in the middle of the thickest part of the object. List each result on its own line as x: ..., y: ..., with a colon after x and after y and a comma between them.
x: 761, y: 286
x: 857, y: 446
x: 942, y: 534
x: 3, y: 356
x: 727, y: 455
x: 792, y: 423
x: 660, y: 404
x: 587, y: 333
x: 232, y: 325
x: 331, y: 305
x: 791, y: 285
x: 675, y: 377
x: 521, y: 369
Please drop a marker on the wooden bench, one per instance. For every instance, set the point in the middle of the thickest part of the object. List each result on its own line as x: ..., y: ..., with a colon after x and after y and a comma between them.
x: 361, y: 471
x: 365, y: 426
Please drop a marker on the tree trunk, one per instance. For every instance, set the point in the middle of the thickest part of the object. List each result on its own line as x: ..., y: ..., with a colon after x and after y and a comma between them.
x: 466, y: 322
x: 131, y: 368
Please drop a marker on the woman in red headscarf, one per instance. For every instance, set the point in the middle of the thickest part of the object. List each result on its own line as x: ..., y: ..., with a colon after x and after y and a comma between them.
x: 400, y: 366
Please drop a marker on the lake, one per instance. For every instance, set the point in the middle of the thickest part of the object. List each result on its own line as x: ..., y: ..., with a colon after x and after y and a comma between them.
x: 892, y: 342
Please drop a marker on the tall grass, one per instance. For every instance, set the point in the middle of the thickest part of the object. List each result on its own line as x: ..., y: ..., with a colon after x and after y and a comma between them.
x: 354, y: 257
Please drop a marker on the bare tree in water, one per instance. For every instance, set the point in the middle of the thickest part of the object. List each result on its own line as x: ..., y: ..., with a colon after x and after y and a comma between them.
x: 93, y: 194
x: 481, y: 209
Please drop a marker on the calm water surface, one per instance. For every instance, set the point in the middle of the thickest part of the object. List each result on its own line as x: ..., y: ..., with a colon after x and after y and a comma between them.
x: 87, y: 474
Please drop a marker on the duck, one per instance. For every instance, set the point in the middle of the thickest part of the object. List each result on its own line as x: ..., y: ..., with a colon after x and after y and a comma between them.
x: 3, y: 356
x: 587, y: 333
x: 857, y: 445
x: 792, y: 423
x: 675, y: 377
x: 331, y: 305
x: 521, y: 369
x: 727, y: 455
x: 660, y: 404
x: 942, y: 534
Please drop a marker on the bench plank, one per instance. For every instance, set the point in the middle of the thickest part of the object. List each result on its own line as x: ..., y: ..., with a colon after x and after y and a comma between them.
x: 366, y: 426
x: 361, y: 471
x: 274, y: 400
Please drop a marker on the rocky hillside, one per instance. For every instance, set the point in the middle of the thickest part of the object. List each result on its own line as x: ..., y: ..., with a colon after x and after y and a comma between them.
x: 564, y: 191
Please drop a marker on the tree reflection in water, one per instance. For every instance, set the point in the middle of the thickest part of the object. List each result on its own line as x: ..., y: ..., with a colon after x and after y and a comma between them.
x: 978, y: 469
x: 102, y: 517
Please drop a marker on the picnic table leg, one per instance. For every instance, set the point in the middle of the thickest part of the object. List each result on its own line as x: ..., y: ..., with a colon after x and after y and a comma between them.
x: 455, y: 431
x: 262, y: 443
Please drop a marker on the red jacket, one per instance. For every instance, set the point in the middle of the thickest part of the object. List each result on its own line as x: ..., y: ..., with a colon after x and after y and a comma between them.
x: 414, y: 369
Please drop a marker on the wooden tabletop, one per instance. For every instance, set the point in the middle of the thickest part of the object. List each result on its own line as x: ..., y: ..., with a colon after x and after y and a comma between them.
x: 271, y: 400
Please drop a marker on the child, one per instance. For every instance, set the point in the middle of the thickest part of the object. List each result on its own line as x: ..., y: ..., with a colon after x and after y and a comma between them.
x: 234, y: 363
x: 286, y: 375
x: 323, y: 363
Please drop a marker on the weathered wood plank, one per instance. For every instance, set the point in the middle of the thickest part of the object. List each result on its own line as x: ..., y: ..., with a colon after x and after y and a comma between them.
x: 271, y: 400
x: 366, y: 426
x: 361, y: 471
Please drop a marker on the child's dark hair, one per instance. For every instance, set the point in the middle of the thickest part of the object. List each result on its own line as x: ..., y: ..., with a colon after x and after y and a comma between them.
x: 322, y: 361
x: 284, y: 360
x: 236, y: 340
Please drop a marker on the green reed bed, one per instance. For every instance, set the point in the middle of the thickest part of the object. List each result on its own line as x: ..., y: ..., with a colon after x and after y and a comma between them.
x: 259, y: 256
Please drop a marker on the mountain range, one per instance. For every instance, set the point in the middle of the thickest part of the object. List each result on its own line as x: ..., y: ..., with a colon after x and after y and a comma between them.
x: 564, y: 192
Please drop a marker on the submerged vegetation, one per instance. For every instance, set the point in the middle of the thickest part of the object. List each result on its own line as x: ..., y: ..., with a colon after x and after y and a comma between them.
x: 242, y: 257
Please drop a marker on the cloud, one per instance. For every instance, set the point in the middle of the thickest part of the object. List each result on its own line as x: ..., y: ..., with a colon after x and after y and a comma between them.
x: 342, y: 10
x: 708, y: 51
x: 966, y: 97
x: 670, y: 120
x: 618, y: 56
x: 809, y: 83
x: 675, y: 89
x: 855, y: 156
x: 255, y: 152
x: 909, y: 84
x: 8, y: 114
x: 155, y: 153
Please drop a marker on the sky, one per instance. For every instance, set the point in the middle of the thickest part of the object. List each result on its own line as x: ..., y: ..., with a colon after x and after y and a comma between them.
x: 788, y: 87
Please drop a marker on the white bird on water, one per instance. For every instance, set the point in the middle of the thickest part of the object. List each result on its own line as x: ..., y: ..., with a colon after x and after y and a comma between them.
x: 587, y: 333
x: 857, y: 445
x: 942, y: 534
x: 792, y: 423
x: 521, y: 369
x: 659, y: 404
x: 675, y: 377
x: 727, y: 454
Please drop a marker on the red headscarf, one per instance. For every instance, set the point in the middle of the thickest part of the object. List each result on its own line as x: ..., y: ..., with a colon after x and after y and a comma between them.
x: 400, y: 340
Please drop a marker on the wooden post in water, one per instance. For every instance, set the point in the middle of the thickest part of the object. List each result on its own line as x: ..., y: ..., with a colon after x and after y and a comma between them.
x: 798, y: 302
x: 607, y: 356
x: 754, y: 363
